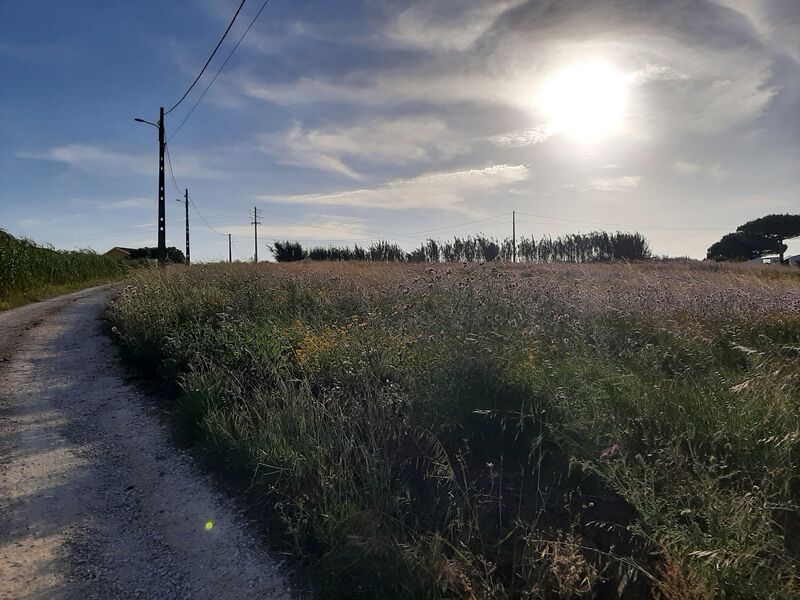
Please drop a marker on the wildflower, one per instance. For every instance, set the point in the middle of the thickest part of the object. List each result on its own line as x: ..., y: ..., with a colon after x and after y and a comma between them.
x: 610, y: 451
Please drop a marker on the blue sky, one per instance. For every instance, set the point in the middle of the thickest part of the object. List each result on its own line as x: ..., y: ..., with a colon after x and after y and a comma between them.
x: 350, y: 120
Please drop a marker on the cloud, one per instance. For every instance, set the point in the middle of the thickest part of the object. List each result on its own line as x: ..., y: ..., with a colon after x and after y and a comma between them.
x: 328, y: 228
x: 29, y: 222
x: 528, y: 137
x: 711, y: 95
x: 680, y: 77
x: 100, y: 160
x: 614, y: 184
x: 715, y: 171
x: 384, y: 89
x: 399, y: 141
x: 434, y: 191
x: 125, y: 203
x: 446, y: 25
x: 94, y: 159
x: 686, y: 168
x: 776, y: 22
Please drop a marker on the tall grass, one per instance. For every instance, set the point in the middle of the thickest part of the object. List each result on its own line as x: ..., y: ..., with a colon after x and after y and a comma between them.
x: 498, y: 431
x: 27, y: 269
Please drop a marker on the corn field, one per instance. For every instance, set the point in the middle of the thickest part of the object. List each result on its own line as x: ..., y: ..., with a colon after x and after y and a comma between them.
x: 26, y: 267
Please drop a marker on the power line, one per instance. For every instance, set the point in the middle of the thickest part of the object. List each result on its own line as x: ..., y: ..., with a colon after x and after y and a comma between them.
x: 227, y: 58
x: 200, y: 74
x: 204, y: 219
x: 171, y: 172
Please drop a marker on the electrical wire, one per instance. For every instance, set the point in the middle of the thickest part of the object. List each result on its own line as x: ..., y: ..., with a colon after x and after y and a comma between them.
x: 227, y: 58
x: 171, y: 172
x: 204, y: 219
x: 200, y: 74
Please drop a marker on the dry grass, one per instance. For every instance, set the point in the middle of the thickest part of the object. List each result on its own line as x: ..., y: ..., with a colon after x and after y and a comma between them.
x: 492, y: 431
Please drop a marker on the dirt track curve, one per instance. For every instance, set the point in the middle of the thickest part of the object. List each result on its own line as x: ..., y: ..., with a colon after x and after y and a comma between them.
x: 95, y: 503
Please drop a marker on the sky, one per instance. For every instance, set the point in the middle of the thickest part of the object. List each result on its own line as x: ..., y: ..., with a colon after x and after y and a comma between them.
x: 350, y: 121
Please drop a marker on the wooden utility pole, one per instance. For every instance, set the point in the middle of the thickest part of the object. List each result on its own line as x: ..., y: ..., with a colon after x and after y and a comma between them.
x: 230, y: 254
x: 514, y: 235
x: 255, y: 225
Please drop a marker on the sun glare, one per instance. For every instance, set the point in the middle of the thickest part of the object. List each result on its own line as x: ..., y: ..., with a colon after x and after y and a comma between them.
x: 586, y: 101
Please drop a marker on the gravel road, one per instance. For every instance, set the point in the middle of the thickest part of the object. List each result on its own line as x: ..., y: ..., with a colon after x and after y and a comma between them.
x: 95, y: 503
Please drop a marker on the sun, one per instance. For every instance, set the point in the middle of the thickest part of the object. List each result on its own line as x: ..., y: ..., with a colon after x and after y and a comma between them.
x: 585, y: 101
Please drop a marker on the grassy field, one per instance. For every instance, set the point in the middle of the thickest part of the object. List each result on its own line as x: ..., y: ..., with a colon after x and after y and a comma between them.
x: 29, y: 272
x: 449, y: 431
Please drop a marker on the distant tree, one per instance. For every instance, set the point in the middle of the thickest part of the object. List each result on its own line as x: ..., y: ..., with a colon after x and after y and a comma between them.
x: 774, y: 227
x: 629, y: 246
x: 287, y: 251
x: 744, y: 246
x: 173, y: 254
x: 417, y: 255
x: 488, y: 248
x: 432, y: 251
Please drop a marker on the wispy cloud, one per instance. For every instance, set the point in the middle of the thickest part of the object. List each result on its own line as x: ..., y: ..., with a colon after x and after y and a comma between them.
x: 454, y: 25
x: 434, y: 191
x: 399, y: 141
x: 29, y: 222
x: 319, y: 229
x: 527, y: 137
x: 715, y: 171
x: 691, y: 83
x: 614, y: 184
x: 775, y: 21
x: 125, y: 203
x: 97, y: 159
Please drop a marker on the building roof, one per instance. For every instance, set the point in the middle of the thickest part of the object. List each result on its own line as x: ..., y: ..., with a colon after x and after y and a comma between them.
x: 120, y: 250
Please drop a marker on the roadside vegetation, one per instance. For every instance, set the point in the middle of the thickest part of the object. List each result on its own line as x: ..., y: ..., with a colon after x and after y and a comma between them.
x: 497, y: 431
x: 29, y: 272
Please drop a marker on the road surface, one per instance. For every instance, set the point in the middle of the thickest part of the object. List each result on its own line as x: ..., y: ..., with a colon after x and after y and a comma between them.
x: 95, y: 503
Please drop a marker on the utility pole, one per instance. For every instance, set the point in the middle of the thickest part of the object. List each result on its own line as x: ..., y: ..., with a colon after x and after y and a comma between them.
x: 514, y: 235
x: 162, y: 222
x: 186, y: 199
x: 255, y: 225
x: 230, y: 254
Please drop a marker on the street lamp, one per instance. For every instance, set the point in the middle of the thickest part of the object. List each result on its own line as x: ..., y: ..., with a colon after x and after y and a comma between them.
x: 162, y: 228
x: 138, y: 120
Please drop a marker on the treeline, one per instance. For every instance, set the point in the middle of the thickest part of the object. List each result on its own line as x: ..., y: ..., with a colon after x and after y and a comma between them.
x: 596, y: 246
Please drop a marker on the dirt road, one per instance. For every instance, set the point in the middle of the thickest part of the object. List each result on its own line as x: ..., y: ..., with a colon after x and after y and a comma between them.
x: 94, y: 501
